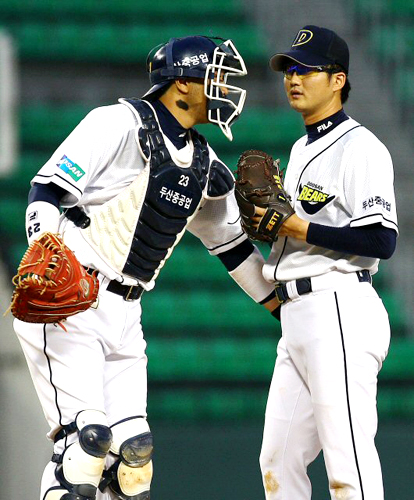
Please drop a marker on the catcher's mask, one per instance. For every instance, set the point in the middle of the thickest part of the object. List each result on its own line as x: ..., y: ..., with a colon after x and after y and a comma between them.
x: 201, y: 57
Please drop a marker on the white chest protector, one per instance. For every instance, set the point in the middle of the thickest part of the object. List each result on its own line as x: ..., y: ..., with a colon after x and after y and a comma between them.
x: 136, y: 231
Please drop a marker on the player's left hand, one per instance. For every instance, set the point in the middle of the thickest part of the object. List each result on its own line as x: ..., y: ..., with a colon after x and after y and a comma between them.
x: 259, y: 184
x: 51, y: 284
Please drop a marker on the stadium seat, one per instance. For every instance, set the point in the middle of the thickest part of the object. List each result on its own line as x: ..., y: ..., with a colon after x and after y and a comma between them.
x: 120, y: 10
x: 120, y: 43
x: 401, y: 10
x: 259, y: 128
x: 383, y: 11
x: 247, y: 359
x: 405, y: 93
x: 188, y: 308
x: 392, y: 44
x: 209, y: 404
x: 231, y: 367
x: 213, y: 359
x: 12, y: 215
x: 367, y: 9
x: 44, y: 127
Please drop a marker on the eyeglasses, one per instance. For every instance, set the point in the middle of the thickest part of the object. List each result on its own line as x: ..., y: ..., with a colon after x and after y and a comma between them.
x: 306, y: 71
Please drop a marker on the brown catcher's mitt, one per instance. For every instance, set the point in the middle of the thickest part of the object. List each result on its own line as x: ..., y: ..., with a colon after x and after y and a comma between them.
x: 259, y: 184
x: 51, y: 284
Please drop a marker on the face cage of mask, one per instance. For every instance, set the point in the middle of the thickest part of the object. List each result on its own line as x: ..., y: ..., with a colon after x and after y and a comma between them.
x: 223, y: 110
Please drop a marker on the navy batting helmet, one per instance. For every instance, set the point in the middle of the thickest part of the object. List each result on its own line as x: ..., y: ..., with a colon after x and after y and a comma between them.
x: 201, y: 57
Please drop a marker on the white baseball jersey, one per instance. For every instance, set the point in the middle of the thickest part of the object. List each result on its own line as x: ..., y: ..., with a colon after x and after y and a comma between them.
x: 344, y: 178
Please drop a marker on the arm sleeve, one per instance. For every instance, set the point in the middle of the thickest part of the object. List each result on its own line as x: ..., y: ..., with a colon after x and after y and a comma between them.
x: 217, y: 225
x: 374, y: 240
x: 51, y: 193
x: 369, y: 184
x: 41, y: 217
x: 235, y: 256
x: 248, y: 275
x: 42, y: 213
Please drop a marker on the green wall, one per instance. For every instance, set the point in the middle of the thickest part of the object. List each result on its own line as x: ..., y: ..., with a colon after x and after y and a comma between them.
x: 205, y: 462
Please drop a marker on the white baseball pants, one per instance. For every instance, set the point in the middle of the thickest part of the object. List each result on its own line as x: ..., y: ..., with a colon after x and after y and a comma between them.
x: 99, y: 363
x: 323, y: 392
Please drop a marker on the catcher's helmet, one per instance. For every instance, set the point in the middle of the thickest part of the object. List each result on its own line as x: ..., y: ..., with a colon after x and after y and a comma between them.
x: 201, y: 57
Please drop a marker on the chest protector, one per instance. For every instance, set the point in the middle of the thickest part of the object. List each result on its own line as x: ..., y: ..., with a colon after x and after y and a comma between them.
x: 173, y: 195
x: 149, y: 217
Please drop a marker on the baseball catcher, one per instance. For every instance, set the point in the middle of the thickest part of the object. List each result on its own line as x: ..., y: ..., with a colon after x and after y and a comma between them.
x: 122, y: 189
x: 51, y: 284
x: 259, y: 184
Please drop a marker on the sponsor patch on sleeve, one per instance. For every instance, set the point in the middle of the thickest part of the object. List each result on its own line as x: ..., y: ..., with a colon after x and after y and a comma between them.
x: 71, y: 168
x: 376, y: 200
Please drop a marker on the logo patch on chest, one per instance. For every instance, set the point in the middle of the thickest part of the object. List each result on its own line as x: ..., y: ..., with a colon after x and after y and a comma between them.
x: 313, y: 199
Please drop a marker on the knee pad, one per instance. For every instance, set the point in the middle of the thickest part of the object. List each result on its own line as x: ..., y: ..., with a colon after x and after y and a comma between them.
x: 131, y: 474
x: 60, y: 494
x: 81, y: 465
x: 131, y: 483
x: 132, y: 441
x: 95, y: 440
x: 55, y: 493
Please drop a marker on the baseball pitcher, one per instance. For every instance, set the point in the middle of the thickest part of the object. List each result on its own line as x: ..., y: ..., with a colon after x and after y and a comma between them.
x: 331, y: 220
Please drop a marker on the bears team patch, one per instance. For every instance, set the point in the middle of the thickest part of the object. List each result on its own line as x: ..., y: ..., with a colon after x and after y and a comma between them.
x: 70, y: 168
x: 312, y: 198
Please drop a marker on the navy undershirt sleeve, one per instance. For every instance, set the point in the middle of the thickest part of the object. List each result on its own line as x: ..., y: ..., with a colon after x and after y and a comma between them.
x: 374, y: 240
x: 51, y: 193
x: 236, y: 255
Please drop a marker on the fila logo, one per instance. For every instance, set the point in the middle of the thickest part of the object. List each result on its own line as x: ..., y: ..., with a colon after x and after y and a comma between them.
x: 324, y: 126
x: 32, y: 216
x: 304, y: 36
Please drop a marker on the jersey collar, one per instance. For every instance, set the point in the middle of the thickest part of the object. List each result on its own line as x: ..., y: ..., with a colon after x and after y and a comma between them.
x: 323, y: 127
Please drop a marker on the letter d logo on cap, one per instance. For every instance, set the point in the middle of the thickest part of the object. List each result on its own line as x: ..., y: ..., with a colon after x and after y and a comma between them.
x: 302, y: 37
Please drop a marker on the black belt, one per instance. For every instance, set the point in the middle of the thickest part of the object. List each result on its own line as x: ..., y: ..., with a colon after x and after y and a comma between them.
x: 129, y: 293
x: 304, y: 285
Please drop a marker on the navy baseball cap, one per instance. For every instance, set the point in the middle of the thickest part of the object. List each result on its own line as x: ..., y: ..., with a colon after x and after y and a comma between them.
x: 314, y: 46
